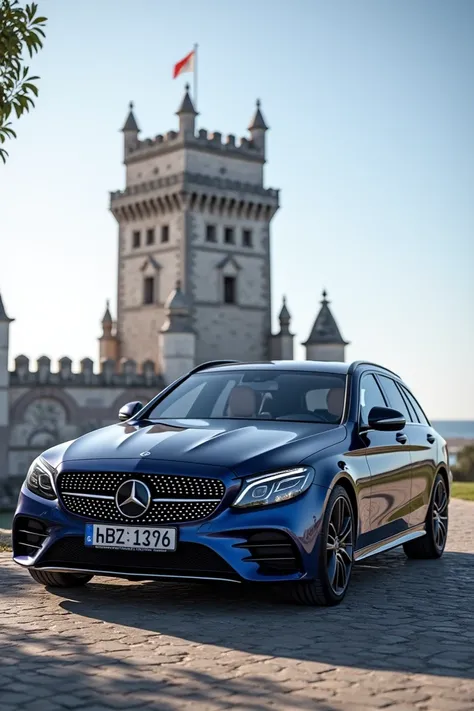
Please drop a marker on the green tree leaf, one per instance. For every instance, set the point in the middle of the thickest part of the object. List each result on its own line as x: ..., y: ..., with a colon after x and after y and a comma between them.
x: 21, y: 32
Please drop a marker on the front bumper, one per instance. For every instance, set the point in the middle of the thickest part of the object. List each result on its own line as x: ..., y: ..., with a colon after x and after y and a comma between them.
x: 269, y: 544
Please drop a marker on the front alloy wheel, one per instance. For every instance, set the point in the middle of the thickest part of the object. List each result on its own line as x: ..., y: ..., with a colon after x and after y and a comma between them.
x: 335, y: 556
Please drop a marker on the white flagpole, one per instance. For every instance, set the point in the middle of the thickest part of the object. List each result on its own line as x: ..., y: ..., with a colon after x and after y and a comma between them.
x: 195, y: 83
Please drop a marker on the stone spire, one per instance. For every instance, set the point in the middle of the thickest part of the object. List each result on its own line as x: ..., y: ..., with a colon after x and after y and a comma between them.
x: 3, y: 313
x: 108, y: 342
x: 187, y: 115
x: 282, y: 342
x: 107, y: 321
x: 325, y: 341
x: 258, y: 128
x: 284, y: 318
x: 130, y: 123
x: 130, y: 132
x: 178, y: 319
x: 176, y: 340
x: 258, y: 122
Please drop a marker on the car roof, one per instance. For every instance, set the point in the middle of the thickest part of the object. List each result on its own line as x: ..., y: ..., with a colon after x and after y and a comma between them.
x: 308, y: 366
x: 305, y: 366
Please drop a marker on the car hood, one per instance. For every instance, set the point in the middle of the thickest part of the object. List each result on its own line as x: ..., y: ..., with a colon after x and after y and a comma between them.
x: 241, y: 446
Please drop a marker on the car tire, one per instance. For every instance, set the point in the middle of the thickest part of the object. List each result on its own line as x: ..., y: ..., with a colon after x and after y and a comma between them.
x: 432, y: 545
x: 59, y: 580
x: 336, y: 555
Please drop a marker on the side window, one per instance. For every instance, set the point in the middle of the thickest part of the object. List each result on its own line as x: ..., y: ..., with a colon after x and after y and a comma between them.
x: 370, y: 396
x: 394, y: 396
x: 419, y: 412
x: 413, y: 417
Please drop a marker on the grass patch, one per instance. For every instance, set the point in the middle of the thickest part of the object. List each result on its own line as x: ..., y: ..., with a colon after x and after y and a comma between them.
x: 5, y: 549
x: 463, y: 490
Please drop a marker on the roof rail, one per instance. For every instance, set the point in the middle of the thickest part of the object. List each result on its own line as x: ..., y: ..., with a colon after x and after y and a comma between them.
x: 355, y: 364
x: 212, y: 364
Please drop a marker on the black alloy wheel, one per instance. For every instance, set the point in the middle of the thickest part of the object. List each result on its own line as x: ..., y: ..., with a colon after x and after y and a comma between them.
x: 339, y: 545
x: 336, y: 555
x: 440, y: 515
x: 432, y: 545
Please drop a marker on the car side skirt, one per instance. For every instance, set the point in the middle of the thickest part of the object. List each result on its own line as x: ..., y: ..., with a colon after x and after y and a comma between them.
x: 392, y: 542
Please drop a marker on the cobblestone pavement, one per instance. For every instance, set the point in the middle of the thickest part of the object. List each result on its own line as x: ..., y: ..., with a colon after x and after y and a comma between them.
x: 403, y: 640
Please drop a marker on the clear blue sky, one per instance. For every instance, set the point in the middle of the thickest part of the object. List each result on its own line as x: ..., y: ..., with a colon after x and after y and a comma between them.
x: 371, y: 109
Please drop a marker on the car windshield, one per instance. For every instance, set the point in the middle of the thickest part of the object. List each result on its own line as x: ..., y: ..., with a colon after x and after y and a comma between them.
x: 256, y: 394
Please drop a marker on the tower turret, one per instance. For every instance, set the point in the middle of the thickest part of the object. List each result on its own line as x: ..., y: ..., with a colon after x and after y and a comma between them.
x: 108, y: 349
x: 4, y: 383
x: 130, y: 132
x: 282, y: 342
x: 258, y: 128
x: 187, y: 115
x: 177, y: 340
x: 325, y: 341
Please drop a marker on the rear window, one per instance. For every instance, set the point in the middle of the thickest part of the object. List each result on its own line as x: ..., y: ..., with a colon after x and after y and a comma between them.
x: 256, y: 394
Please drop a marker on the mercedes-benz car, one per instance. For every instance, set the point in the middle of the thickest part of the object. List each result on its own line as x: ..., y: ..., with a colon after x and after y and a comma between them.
x: 278, y: 473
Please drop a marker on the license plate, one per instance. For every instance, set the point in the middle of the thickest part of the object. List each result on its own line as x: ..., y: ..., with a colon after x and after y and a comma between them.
x: 131, y: 537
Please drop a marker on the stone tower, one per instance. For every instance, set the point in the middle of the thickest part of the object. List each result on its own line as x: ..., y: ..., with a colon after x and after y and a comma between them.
x: 195, y: 209
x: 4, y: 385
x: 325, y: 341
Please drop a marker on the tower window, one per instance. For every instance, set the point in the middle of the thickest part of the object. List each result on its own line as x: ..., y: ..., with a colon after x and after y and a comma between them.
x: 229, y: 237
x: 247, y: 238
x: 136, y: 238
x: 149, y: 290
x: 150, y: 236
x: 211, y: 233
x: 165, y: 233
x: 230, y: 284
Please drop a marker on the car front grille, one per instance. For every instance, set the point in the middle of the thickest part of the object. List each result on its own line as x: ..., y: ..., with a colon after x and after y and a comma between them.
x: 192, y: 559
x: 174, y: 499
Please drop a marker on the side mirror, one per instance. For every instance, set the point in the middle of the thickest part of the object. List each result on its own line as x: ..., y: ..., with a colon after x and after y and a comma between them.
x: 129, y: 410
x: 386, y: 419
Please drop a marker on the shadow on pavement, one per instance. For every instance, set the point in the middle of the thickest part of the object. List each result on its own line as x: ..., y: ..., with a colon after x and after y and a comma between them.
x: 400, y: 615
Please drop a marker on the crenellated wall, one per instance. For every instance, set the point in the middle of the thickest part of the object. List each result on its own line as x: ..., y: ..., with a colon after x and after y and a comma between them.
x: 47, y: 407
x: 125, y: 373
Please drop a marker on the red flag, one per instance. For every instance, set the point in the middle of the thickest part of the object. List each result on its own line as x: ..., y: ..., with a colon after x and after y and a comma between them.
x: 185, y: 65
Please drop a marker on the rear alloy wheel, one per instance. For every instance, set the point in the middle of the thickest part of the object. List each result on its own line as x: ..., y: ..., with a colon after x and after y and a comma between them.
x: 432, y: 545
x: 59, y: 580
x: 335, y: 557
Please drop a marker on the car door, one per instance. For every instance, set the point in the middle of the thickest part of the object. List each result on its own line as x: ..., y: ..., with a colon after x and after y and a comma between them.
x: 424, y: 452
x: 389, y: 464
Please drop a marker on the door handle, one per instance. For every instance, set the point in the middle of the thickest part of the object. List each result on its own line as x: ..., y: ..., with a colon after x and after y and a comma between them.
x: 402, y: 438
x: 431, y: 439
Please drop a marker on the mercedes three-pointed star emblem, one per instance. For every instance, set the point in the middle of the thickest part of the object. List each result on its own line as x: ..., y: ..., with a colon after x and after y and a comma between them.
x: 133, y: 498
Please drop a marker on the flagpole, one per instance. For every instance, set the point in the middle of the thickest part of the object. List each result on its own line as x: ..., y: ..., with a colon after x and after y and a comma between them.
x: 195, y: 83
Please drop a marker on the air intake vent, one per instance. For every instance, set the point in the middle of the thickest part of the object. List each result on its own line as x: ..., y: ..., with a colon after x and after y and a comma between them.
x: 274, y: 551
x: 28, y: 535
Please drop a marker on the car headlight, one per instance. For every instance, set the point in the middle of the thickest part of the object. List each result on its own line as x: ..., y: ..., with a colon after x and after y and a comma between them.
x: 274, y: 488
x: 40, y: 479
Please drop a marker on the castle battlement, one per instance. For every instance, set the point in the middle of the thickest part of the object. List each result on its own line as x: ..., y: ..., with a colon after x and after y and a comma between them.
x: 112, y: 374
x: 187, y: 182
x: 146, y: 148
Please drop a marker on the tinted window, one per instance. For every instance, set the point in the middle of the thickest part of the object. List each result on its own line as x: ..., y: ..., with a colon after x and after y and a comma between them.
x: 370, y: 396
x: 412, y: 413
x: 394, y: 396
x: 419, y: 412
x: 250, y: 394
